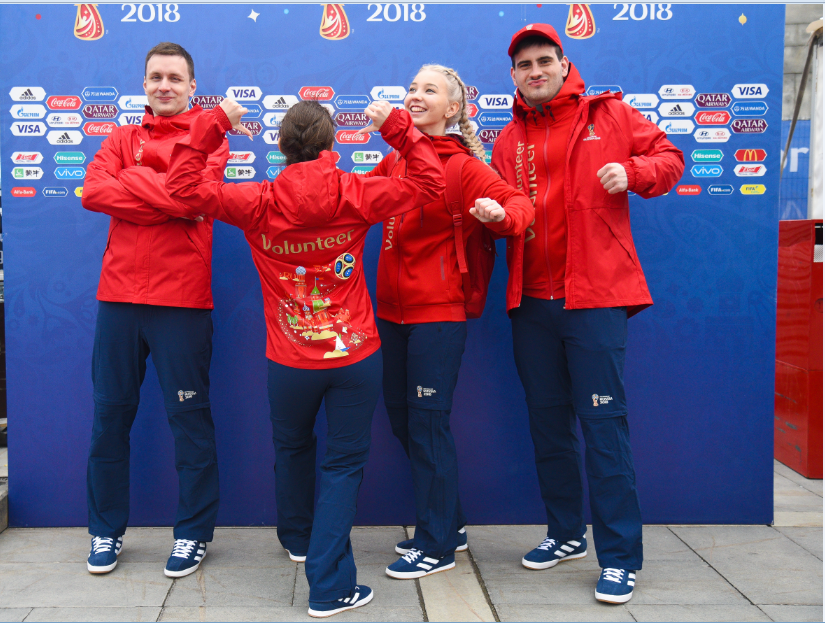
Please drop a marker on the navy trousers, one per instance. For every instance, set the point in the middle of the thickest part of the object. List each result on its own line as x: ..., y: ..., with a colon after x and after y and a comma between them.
x: 321, y: 531
x: 180, y: 341
x: 571, y: 363
x: 421, y: 363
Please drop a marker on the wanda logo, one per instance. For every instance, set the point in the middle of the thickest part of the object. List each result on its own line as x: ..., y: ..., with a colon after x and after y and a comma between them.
x: 99, y: 128
x: 63, y: 102
x: 323, y: 94
x: 350, y: 137
x: 716, y: 117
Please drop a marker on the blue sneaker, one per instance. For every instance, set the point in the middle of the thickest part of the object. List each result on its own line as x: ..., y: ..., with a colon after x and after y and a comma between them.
x: 104, y: 553
x: 615, y: 586
x: 185, y: 559
x: 360, y: 596
x: 414, y: 564
x: 549, y: 553
x: 405, y: 546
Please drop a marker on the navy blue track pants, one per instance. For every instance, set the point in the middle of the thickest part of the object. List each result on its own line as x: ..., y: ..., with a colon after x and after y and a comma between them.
x: 571, y: 363
x: 322, y: 530
x: 180, y: 341
x: 421, y: 363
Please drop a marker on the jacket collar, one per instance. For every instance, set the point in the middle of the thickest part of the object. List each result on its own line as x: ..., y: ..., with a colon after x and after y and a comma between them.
x: 170, y: 124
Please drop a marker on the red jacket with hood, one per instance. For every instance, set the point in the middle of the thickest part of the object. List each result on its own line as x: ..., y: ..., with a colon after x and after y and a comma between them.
x: 602, y: 268
x: 155, y: 253
x: 306, y: 230
x: 418, y: 275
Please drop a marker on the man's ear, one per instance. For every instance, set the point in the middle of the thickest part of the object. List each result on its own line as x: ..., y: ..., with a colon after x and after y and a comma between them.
x: 565, y: 66
x: 192, y: 87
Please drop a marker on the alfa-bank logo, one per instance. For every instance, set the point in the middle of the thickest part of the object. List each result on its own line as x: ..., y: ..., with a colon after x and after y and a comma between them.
x: 688, y: 189
x: 323, y: 94
x: 23, y: 191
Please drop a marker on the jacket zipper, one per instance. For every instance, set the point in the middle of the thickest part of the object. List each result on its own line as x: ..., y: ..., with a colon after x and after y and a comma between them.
x: 398, y: 246
x: 546, y: 207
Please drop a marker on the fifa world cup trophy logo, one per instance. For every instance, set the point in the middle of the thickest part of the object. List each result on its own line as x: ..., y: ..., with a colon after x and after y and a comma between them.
x: 580, y: 22
x: 334, y: 24
x: 595, y: 398
x: 88, y: 25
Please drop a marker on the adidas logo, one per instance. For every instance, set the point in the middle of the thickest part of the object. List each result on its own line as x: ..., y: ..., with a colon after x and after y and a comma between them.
x: 65, y: 138
x: 280, y: 103
x: 677, y: 110
x: 27, y: 95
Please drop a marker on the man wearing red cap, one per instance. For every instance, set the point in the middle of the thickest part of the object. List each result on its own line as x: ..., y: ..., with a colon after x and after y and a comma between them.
x: 574, y: 280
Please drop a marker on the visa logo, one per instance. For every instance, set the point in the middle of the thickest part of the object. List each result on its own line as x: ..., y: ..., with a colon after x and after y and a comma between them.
x: 750, y: 90
x: 743, y: 91
x: 496, y: 101
x: 28, y: 128
x: 243, y: 93
x: 238, y: 93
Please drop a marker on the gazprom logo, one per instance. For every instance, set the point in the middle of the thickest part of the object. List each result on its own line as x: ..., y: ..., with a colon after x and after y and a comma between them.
x: 706, y: 170
x: 388, y: 93
x: 641, y: 100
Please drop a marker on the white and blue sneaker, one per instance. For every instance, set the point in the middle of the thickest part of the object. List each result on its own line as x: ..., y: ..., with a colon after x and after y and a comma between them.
x: 414, y: 564
x: 296, y: 557
x: 360, y: 596
x: 185, y: 559
x: 549, y: 553
x: 615, y: 586
x: 104, y: 553
x: 405, y: 546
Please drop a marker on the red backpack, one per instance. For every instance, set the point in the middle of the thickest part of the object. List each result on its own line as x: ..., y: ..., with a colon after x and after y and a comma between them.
x: 476, y: 253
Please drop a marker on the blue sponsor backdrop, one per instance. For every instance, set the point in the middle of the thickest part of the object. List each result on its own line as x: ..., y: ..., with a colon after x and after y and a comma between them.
x: 700, y: 361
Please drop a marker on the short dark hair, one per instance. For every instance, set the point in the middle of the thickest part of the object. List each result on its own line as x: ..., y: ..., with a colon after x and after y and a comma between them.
x: 306, y: 130
x: 534, y: 41
x: 167, y: 48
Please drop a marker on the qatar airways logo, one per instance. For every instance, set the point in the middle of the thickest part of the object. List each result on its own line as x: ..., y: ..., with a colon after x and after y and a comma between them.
x: 323, y: 94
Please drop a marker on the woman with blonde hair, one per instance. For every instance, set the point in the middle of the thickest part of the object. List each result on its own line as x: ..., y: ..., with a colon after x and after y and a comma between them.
x: 421, y: 309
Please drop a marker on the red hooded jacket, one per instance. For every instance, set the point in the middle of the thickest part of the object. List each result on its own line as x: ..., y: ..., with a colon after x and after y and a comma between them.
x: 306, y: 230
x: 418, y: 275
x: 155, y: 254
x: 602, y: 268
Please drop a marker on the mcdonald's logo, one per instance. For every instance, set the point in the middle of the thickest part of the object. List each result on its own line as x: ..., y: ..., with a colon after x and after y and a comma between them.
x: 750, y: 155
x: 580, y: 22
x: 88, y: 25
x: 334, y: 24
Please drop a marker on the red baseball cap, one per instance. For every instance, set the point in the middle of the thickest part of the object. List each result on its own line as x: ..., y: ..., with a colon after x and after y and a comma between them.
x: 542, y: 30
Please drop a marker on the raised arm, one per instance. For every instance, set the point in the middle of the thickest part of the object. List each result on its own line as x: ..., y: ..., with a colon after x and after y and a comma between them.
x: 378, y: 198
x: 103, y: 192
x: 503, y: 209
x: 189, y: 182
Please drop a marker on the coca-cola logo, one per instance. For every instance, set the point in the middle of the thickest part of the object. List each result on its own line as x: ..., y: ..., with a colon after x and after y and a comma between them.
x: 99, y: 128
x: 323, y: 94
x: 207, y: 102
x: 63, y: 102
x: 357, y: 119
x: 23, y: 191
x: 688, y: 190
x: 350, y: 137
x: 488, y: 136
x: 100, y: 111
x: 714, y: 117
x: 253, y: 126
x: 713, y: 100
x: 472, y: 109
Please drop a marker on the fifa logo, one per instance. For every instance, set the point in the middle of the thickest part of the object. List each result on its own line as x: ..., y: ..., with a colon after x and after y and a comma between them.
x: 591, y: 129
x: 580, y: 22
x: 334, y: 24
x: 180, y: 395
x: 419, y: 388
x: 595, y: 398
x: 88, y: 25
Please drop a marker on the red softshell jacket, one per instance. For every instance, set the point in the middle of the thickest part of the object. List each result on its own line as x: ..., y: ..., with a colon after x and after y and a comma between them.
x: 155, y: 254
x: 602, y: 268
x: 306, y: 230
x: 418, y: 275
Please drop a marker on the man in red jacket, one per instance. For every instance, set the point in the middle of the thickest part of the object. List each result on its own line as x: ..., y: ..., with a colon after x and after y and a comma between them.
x: 154, y: 297
x: 574, y: 280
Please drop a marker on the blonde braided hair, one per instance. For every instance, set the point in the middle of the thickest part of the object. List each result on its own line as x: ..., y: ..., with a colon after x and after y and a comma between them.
x: 457, y: 92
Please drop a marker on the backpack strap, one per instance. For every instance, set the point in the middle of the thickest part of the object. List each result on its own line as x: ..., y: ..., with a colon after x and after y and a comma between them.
x: 455, y: 203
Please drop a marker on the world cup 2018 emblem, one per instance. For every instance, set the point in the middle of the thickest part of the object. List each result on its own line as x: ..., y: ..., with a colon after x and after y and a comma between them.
x: 334, y: 24
x: 580, y: 22
x: 88, y: 25
x: 419, y: 388
x: 180, y: 395
x: 595, y: 398
x: 591, y: 129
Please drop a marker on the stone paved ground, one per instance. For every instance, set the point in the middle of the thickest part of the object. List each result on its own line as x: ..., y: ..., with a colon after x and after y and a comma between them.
x: 691, y: 573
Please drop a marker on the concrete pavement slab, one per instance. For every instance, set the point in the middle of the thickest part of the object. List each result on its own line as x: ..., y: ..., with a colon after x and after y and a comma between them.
x: 814, y: 486
x: 804, y: 519
x: 590, y: 612
x: 70, y: 585
x: 388, y: 591
x: 4, y: 462
x: 793, y: 613
x: 215, y: 585
x: 762, y: 563
x: 141, y: 613
x: 294, y: 613
x: 10, y: 615
x: 690, y: 612
x: 809, y: 538
x: 376, y: 546
x: 246, y: 547
x: 790, y: 496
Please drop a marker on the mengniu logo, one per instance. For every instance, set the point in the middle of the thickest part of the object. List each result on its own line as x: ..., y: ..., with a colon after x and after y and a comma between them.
x: 362, y: 157
x: 750, y: 170
x: 240, y: 173
x: 712, y: 117
x: 713, y: 100
x: 334, y: 23
x: 488, y: 136
x: 23, y: 191
x: 707, y: 155
x: 688, y: 189
x: 207, y: 102
x: 720, y: 189
x: 99, y: 128
x: 350, y: 137
x: 52, y: 191
x: 100, y: 111
x: 70, y: 173
x: 253, y: 126
x: 752, y: 189
x: 580, y: 22
x: 749, y: 126
x: 750, y: 155
x: 88, y: 25
x: 322, y: 94
x: 706, y: 170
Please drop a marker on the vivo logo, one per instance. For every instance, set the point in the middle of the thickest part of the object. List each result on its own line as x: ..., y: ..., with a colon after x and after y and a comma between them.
x: 705, y: 170
x: 70, y: 173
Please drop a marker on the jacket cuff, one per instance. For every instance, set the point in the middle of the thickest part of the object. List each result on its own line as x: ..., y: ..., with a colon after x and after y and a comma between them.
x: 393, y: 121
x: 502, y: 226
x: 631, y: 176
x: 223, y: 120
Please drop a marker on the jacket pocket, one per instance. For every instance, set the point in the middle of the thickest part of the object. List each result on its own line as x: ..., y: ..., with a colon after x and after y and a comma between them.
x: 109, y: 239
x: 197, y: 246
